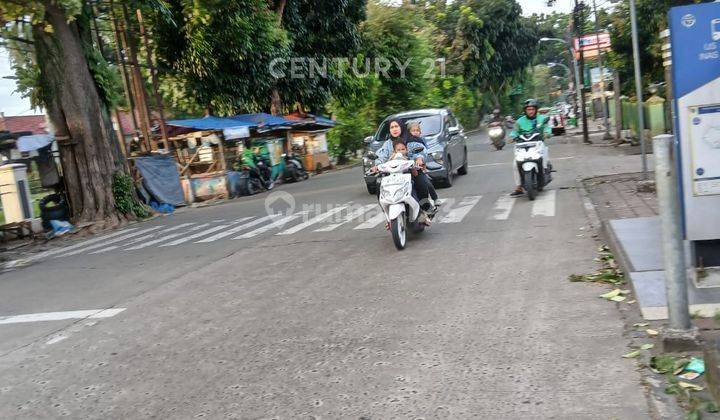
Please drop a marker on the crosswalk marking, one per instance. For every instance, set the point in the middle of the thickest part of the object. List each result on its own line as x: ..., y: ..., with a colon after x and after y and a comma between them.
x: 59, y: 316
x: 317, y: 219
x: 457, y: 214
x: 278, y: 222
x: 544, y: 204
x: 372, y: 222
x: 140, y: 238
x: 236, y: 229
x: 348, y: 217
x: 111, y: 241
x: 205, y: 232
x: 166, y: 237
x: 503, y: 207
x: 52, y: 252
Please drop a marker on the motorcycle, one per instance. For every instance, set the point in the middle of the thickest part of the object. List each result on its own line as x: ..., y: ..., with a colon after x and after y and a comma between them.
x: 255, y: 180
x: 533, y: 163
x: 496, y: 132
x: 401, y: 209
x: 294, y: 169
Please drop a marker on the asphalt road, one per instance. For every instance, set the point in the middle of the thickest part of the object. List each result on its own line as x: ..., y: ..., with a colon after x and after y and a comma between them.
x: 216, y: 312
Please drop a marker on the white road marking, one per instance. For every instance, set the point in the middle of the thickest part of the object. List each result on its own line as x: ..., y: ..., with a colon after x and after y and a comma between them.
x: 236, y: 229
x: 278, y: 222
x: 503, y: 207
x: 204, y: 233
x: 59, y: 316
x: 52, y: 252
x: 544, y: 204
x: 350, y: 216
x: 111, y: 241
x: 141, y: 238
x: 317, y: 219
x: 457, y: 214
x: 372, y: 222
x: 166, y: 237
x: 56, y: 339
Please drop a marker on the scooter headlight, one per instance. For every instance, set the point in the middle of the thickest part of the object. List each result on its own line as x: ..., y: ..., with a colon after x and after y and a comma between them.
x: 495, y: 132
x: 394, y: 194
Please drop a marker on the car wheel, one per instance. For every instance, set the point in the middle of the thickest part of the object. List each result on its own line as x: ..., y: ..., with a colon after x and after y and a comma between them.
x: 463, y: 170
x: 447, y: 182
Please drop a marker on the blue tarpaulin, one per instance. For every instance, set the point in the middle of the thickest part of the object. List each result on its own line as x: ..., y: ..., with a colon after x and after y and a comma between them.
x: 209, y: 123
x: 161, y: 179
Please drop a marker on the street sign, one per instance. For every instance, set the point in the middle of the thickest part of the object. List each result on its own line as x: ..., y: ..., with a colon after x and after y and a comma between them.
x: 695, y: 52
x: 590, y: 43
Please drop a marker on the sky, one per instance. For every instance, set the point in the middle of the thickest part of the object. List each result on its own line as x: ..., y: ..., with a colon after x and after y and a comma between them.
x: 12, y: 104
x: 539, y: 6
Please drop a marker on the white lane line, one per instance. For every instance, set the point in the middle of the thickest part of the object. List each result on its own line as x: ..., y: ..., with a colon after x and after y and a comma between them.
x: 166, y: 237
x: 236, y: 229
x: 52, y: 252
x: 544, y: 204
x: 278, y: 222
x: 111, y: 241
x: 503, y: 207
x: 457, y: 214
x: 59, y: 316
x: 141, y: 238
x: 350, y: 216
x: 317, y: 219
x: 372, y: 222
x: 56, y: 339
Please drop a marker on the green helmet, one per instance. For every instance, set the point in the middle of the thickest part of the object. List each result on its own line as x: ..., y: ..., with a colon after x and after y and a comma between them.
x: 531, y: 103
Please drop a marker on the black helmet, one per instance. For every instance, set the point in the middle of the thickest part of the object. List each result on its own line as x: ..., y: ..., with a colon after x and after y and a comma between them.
x: 531, y: 103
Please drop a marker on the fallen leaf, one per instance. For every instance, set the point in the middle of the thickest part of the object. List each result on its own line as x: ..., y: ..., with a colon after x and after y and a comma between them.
x: 640, y: 324
x: 617, y: 298
x: 625, y: 291
x: 632, y: 354
x: 647, y: 346
x: 610, y: 295
x: 651, y: 333
x: 630, y: 302
x: 688, y: 385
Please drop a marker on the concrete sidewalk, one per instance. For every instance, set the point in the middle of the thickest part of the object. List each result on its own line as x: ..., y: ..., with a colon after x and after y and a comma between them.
x: 631, y: 225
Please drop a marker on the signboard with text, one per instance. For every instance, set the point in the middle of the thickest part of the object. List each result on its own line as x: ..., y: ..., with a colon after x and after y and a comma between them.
x: 590, y: 43
x: 695, y: 45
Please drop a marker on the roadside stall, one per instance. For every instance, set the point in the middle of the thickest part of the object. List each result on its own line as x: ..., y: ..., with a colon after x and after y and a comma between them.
x: 308, y: 138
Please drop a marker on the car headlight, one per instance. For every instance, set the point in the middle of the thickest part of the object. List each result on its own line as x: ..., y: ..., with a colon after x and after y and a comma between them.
x: 437, y: 156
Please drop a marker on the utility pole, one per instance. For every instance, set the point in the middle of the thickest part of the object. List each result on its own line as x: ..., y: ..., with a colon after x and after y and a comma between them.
x: 638, y: 87
x: 618, y: 107
x: 602, y: 72
x: 583, y: 107
x: 155, y: 82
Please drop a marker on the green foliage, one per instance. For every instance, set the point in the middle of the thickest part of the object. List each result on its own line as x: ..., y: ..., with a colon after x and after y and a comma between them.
x: 219, y: 52
x: 123, y: 189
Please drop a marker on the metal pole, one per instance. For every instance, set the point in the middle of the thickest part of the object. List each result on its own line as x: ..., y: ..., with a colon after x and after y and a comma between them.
x: 618, y: 107
x: 638, y: 87
x: 672, y: 236
x: 578, y: 86
x: 602, y: 73
x: 583, y: 106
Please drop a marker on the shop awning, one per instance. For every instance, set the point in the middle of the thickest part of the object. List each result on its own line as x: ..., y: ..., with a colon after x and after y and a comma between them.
x: 208, y: 123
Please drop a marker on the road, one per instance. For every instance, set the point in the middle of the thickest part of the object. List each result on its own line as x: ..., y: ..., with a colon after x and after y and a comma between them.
x: 220, y: 312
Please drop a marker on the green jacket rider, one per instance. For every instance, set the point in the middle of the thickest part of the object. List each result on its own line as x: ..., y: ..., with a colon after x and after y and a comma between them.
x: 530, y: 122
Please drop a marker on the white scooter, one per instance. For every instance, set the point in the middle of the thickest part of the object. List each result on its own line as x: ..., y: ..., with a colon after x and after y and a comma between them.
x: 533, y: 163
x: 401, y: 209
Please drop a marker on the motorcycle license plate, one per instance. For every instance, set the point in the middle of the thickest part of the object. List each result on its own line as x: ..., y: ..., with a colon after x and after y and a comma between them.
x: 396, y: 179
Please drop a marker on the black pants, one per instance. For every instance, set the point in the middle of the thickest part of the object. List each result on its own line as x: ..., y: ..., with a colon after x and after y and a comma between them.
x: 422, y: 187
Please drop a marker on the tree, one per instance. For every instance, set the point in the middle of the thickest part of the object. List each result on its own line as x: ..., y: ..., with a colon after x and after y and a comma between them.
x: 494, y: 43
x: 219, y: 53
x: 76, y: 97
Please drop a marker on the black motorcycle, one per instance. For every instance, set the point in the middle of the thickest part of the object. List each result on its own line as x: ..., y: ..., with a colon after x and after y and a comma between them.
x: 256, y: 179
x: 294, y: 169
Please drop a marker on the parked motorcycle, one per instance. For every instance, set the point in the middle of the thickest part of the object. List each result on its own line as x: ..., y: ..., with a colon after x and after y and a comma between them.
x: 401, y: 209
x: 496, y: 132
x: 533, y: 163
x: 294, y: 169
x: 255, y: 180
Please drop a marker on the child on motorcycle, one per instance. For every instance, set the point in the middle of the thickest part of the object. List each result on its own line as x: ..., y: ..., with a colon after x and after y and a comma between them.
x: 416, y: 136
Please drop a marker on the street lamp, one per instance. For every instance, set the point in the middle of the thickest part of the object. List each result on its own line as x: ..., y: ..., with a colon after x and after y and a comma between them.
x: 578, y: 86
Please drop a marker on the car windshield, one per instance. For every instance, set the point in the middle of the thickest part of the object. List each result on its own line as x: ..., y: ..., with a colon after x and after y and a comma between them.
x: 430, y: 125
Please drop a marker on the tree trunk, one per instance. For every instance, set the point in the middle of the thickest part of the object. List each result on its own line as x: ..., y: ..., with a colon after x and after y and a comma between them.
x: 276, y: 106
x: 80, y: 119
